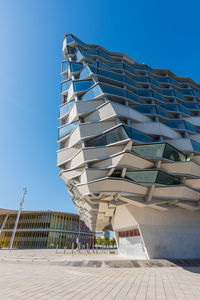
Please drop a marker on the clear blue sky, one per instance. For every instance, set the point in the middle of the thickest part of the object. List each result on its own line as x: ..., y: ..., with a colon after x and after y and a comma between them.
x: 163, y: 34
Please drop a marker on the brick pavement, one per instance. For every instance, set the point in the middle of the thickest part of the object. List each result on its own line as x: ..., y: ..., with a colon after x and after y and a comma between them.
x: 37, y: 281
x: 42, y: 274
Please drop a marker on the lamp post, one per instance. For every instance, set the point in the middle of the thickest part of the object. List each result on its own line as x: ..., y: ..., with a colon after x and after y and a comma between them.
x: 17, y: 219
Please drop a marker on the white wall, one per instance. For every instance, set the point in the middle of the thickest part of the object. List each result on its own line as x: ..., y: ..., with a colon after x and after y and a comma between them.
x: 174, y: 233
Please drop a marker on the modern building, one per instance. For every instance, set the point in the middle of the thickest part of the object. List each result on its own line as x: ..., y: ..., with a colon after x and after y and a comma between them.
x: 129, y: 141
x: 101, y: 234
x: 43, y: 229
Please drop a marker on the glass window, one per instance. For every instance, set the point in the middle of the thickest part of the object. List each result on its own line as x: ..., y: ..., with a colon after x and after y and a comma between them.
x: 170, y: 107
x: 153, y: 150
x: 79, y: 55
x: 183, y: 109
x: 142, y: 78
x: 191, y: 105
x: 158, y: 96
x: 196, y: 146
x: 75, y: 67
x: 113, y: 136
x: 164, y: 178
x: 85, y: 73
x: 176, y: 124
x: 112, y: 75
x: 65, y: 108
x: 104, y: 55
x: 144, y: 93
x: 173, y: 154
x: 162, y: 113
x: 154, y: 82
x: 130, y: 81
x: 130, y: 69
x: 113, y: 90
x: 92, y: 93
x: 69, y: 39
x: 65, y: 86
x: 64, y: 66
x: 187, y: 92
x: 82, y: 85
x: 65, y: 130
x: 133, y: 97
x: 139, y: 66
x: 137, y: 135
x: 167, y: 92
x: 163, y: 79
x: 190, y: 127
x: 146, y: 109
x: 142, y: 176
x: 178, y: 95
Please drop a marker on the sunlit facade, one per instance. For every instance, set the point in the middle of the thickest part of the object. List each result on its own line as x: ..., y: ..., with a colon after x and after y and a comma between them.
x: 129, y: 141
x: 43, y: 229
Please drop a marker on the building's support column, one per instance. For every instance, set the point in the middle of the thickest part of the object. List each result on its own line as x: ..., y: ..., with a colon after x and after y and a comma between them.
x: 4, y: 223
x: 171, y: 234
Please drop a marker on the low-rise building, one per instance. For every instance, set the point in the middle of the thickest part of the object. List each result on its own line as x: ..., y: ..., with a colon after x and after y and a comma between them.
x: 43, y: 229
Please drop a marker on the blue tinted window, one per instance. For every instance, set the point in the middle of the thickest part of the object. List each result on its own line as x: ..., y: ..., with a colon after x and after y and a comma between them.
x: 191, y: 105
x: 69, y: 39
x: 162, y: 113
x: 144, y: 93
x: 113, y: 90
x: 176, y: 124
x: 112, y: 75
x: 65, y: 130
x: 190, y: 127
x: 113, y: 136
x: 133, y: 97
x: 64, y: 66
x: 178, y: 95
x: 130, y: 82
x: 65, y: 108
x: 154, y: 82
x: 75, y: 67
x: 104, y: 55
x: 167, y: 92
x: 141, y: 78
x: 183, y: 109
x: 158, y: 96
x: 146, y: 109
x: 85, y: 73
x: 79, y: 56
x: 196, y: 146
x: 92, y: 93
x: 170, y: 107
x: 129, y: 68
x: 65, y: 85
x: 137, y: 135
x: 82, y: 85
x: 187, y: 92
x: 163, y: 79
x: 139, y: 66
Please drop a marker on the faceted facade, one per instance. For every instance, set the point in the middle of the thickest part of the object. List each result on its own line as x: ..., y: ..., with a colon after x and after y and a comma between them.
x: 43, y: 229
x: 129, y: 153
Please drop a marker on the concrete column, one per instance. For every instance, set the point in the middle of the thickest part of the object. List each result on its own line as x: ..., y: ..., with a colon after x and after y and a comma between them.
x: 173, y: 233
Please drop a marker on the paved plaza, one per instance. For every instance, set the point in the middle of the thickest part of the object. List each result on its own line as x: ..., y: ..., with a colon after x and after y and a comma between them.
x: 43, y: 275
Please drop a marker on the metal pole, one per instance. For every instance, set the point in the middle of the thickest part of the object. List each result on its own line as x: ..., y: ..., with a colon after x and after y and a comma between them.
x: 4, y: 223
x: 79, y: 229
x: 17, y: 219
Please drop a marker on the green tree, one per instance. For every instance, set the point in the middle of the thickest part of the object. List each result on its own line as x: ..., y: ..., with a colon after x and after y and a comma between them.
x: 99, y: 241
x: 113, y: 242
x: 106, y: 240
